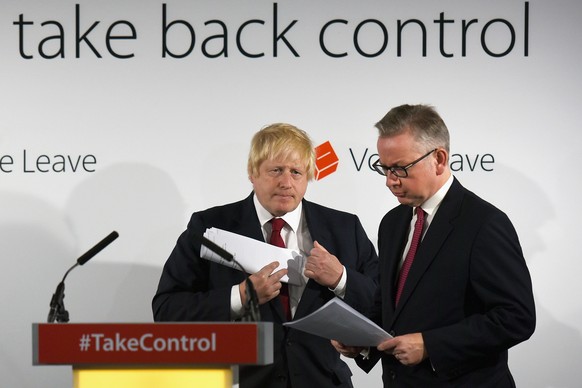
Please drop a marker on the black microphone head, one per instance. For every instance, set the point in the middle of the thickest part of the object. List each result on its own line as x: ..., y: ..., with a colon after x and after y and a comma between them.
x: 214, y: 247
x: 97, y: 248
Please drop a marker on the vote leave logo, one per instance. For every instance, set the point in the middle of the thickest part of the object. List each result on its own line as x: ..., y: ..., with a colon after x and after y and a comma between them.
x: 326, y: 160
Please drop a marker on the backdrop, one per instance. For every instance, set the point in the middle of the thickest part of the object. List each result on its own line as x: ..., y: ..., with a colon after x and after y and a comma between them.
x: 131, y: 115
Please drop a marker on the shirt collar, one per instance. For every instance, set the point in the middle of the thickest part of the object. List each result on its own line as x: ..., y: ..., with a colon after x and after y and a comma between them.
x: 292, y: 218
x: 431, y: 205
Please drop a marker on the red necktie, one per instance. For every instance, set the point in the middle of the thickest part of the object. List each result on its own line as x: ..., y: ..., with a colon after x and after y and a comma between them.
x: 416, y: 237
x: 277, y: 240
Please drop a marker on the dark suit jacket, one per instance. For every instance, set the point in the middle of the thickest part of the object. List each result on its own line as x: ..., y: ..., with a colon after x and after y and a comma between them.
x: 194, y: 289
x: 468, y: 292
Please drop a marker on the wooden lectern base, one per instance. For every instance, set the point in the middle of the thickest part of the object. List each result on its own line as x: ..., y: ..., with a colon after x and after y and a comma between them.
x: 153, y: 378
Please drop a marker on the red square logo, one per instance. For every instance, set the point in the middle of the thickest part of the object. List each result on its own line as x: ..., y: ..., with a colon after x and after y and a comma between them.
x: 326, y: 160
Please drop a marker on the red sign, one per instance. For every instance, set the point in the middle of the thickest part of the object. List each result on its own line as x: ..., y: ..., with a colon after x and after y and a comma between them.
x: 152, y: 343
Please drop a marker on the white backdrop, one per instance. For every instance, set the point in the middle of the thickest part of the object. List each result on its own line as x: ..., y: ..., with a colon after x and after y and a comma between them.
x: 165, y: 136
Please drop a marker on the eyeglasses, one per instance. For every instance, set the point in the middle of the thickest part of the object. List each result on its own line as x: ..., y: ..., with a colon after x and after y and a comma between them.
x: 398, y: 171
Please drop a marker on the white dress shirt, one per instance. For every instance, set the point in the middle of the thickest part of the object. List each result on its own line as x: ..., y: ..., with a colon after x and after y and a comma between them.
x: 430, y: 207
x: 296, y: 236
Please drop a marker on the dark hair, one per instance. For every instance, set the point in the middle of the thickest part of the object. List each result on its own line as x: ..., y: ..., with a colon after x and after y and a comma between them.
x: 422, y: 121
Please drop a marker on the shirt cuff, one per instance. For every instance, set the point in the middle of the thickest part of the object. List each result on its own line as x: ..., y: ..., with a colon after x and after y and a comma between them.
x: 340, y: 289
x: 236, y: 306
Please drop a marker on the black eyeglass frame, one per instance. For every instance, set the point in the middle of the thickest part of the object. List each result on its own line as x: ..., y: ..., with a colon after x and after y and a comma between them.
x: 398, y: 171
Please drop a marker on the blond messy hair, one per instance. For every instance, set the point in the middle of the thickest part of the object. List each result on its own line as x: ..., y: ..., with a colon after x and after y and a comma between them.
x: 281, y: 141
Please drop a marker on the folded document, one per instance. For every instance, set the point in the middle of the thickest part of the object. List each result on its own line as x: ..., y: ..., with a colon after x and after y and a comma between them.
x: 253, y: 254
x: 338, y: 321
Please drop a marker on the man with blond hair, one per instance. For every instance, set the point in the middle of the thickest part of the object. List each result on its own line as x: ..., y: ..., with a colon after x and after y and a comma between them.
x: 341, y: 262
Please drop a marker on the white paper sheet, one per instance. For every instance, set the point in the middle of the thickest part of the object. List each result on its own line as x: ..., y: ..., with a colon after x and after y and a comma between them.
x: 253, y: 255
x: 339, y: 321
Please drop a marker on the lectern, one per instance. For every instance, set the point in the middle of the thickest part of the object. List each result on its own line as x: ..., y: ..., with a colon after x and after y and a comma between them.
x: 153, y: 355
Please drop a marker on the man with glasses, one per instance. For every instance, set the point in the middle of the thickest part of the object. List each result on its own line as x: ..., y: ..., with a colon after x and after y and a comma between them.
x: 341, y: 261
x: 455, y: 291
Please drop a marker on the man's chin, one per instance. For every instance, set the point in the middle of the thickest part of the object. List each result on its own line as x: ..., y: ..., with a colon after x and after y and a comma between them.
x: 281, y: 210
x: 405, y: 201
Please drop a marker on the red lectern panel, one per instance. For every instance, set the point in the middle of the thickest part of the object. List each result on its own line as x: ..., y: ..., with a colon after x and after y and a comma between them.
x: 168, y: 344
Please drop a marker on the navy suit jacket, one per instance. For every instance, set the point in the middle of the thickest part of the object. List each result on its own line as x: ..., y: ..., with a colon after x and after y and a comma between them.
x: 194, y: 289
x: 468, y: 292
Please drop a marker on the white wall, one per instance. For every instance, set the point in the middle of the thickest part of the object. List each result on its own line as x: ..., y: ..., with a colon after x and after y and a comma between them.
x: 170, y: 136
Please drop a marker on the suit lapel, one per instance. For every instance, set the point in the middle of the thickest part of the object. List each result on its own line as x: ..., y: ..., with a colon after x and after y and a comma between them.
x: 393, y: 236
x: 247, y: 224
x: 319, y: 233
x: 440, y: 227
x: 310, y: 299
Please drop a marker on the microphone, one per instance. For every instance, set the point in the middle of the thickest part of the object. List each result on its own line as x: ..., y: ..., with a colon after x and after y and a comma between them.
x: 252, y: 313
x: 57, y: 307
x: 97, y: 248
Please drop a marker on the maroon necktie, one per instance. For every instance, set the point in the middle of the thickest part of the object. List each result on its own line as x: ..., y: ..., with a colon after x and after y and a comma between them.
x: 277, y: 240
x: 416, y: 237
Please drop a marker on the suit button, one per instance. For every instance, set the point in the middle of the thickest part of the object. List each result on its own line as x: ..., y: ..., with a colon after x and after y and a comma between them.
x: 392, y: 333
x: 392, y: 375
x: 289, y: 343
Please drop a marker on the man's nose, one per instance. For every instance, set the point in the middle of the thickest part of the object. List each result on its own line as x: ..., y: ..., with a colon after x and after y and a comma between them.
x: 391, y: 179
x: 285, y: 178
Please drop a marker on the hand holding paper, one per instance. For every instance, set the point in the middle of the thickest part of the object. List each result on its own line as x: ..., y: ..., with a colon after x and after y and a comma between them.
x: 267, y: 283
x: 253, y: 255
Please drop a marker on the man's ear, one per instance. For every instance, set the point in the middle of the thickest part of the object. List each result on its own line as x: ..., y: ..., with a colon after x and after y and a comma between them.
x: 442, y: 159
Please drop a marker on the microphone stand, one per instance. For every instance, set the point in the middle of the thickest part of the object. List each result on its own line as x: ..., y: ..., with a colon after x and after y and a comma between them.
x: 57, y: 306
x: 251, y: 307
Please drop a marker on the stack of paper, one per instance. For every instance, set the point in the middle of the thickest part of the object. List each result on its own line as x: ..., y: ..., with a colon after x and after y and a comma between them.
x: 338, y: 321
x: 253, y: 255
